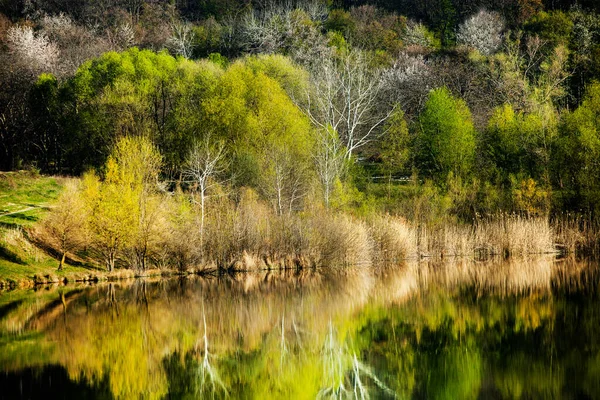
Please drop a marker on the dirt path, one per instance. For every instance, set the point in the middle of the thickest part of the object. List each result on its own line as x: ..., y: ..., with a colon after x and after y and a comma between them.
x: 19, y: 211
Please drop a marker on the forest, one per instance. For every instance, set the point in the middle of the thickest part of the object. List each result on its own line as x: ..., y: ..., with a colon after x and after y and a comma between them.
x: 237, y: 134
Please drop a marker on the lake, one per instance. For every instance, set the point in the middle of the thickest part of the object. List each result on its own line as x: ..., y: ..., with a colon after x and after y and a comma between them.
x: 455, y: 329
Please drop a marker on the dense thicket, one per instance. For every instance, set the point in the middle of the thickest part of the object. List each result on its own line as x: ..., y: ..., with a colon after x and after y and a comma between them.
x: 420, y: 108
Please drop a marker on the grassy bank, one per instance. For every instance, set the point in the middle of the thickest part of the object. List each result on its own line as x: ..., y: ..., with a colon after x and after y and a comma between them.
x: 25, y: 199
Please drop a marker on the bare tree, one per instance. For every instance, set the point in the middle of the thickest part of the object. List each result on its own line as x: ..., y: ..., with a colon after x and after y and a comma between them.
x: 182, y: 38
x: 344, y: 98
x: 482, y: 31
x: 262, y: 32
x: 329, y: 160
x: 205, y: 163
x: 285, y: 180
x: 291, y: 27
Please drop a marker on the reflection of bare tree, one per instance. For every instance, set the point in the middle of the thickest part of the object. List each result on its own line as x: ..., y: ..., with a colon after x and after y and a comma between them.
x: 222, y: 323
x: 112, y: 298
x: 344, y: 375
x: 206, y: 372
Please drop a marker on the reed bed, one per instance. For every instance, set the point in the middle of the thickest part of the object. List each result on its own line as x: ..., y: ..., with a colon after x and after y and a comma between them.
x: 505, y: 236
x: 394, y: 239
x: 577, y: 234
x: 515, y: 236
x: 244, y: 233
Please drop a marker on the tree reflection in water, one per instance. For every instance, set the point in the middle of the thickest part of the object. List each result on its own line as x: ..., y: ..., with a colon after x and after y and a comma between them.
x: 425, y: 330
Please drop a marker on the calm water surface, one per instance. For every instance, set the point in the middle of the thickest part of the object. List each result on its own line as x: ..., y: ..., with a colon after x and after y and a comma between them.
x: 462, y: 330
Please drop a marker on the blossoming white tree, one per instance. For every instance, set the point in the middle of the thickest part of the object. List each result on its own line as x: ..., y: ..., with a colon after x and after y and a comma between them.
x: 482, y: 31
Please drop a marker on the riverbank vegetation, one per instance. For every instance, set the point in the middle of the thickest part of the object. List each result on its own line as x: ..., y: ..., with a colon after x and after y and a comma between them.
x: 237, y: 136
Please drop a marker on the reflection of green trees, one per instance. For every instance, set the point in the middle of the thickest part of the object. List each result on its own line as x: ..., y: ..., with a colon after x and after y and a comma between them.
x: 453, y: 373
x: 518, y: 376
x: 270, y: 337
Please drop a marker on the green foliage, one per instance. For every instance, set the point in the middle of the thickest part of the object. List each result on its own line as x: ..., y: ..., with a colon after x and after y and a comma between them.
x: 249, y: 104
x: 121, y: 210
x: 252, y: 113
x: 119, y: 94
x: 445, y: 139
x: 554, y: 27
x: 529, y: 198
x: 218, y: 59
x: 395, y: 146
x: 575, y: 166
x: 208, y: 37
x: 340, y: 21
x: 444, y: 21
x: 519, y: 143
x: 280, y: 68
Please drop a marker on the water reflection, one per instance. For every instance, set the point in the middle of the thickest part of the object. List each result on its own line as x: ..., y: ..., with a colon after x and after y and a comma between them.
x: 457, y: 329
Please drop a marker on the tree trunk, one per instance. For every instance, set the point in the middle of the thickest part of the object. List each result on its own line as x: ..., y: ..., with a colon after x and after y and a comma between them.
x: 110, y: 262
x: 62, y: 261
x: 202, y: 199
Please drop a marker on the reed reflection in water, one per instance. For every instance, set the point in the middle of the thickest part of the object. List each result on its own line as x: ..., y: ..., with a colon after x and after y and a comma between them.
x: 451, y: 329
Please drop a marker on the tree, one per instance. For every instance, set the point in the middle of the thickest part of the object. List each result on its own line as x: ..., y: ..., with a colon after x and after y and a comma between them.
x: 376, y: 30
x: 329, y: 160
x: 482, y: 31
x: 554, y: 27
x: 111, y: 211
x: 182, y: 40
x: 76, y: 43
x: 443, y: 16
x: 288, y: 28
x: 203, y: 168
x: 135, y: 92
x: 139, y: 164
x: 344, y: 98
x: 259, y: 123
x: 532, y: 75
x: 123, y: 213
x: 407, y: 83
x: 286, y: 172
x: 576, y: 162
x: 66, y: 223
x: 446, y: 137
x: 521, y: 143
x: 33, y: 50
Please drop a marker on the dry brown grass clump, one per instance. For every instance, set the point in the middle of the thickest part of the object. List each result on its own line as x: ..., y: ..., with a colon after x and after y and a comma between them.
x: 393, y: 238
x: 515, y: 236
x: 339, y: 240
x: 576, y: 233
x: 447, y: 241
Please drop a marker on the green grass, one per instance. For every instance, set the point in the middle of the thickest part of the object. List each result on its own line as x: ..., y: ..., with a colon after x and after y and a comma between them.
x: 25, y: 198
x: 19, y: 274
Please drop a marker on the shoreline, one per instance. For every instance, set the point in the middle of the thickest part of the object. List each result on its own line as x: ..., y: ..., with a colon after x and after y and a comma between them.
x: 94, y: 277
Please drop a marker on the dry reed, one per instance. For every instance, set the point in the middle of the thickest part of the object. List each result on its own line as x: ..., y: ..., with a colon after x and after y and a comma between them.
x: 245, y: 233
x: 393, y: 238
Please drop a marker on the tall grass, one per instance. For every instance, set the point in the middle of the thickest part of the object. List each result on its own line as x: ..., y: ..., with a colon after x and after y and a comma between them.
x: 577, y: 233
x: 242, y: 233
x: 394, y: 239
x: 508, y: 235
